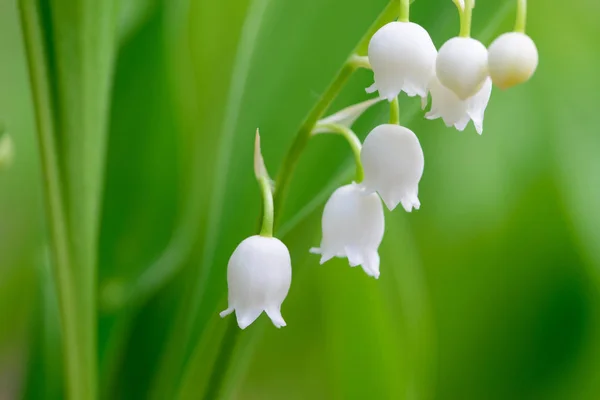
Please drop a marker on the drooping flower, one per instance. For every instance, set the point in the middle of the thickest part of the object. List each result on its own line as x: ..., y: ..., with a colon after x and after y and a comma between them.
x: 393, y: 163
x: 512, y: 59
x: 454, y: 111
x: 402, y: 56
x: 353, y: 226
x: 259, y: 275
x: 462, y: 66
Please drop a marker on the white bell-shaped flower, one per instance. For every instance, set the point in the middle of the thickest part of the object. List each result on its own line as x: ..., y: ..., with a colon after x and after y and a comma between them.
x: 353, y: 226
x: 454, y: 111
x: 462, y: 66
x: 512, y: 59
x: 259, y: 275
x: 393, y: 163
x: 402, y: 56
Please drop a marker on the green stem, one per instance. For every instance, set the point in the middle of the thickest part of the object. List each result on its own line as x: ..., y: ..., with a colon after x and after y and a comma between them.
x: 359, y: 61
x: 465, y: 20
x: 80, y: 380
x: 267, y: 214
x: 224, y: 356
x: 521, y: 16
x: 304, y: 133
x: 395, y: 112
x: 354, y: 143
x: 404, y: 10
x: 302, y: 137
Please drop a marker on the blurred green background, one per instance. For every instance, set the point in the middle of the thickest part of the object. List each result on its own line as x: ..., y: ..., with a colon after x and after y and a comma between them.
x: 490, y: 291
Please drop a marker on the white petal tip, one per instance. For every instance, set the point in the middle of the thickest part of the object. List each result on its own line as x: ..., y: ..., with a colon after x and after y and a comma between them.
x: 225, y: 313
x: 243, y: 324
x: 391, y: 205
x: 279, y: 324
x: 276, y: 318
x: 324, y: 257
x: 371, y: 89
x: 371, y: 273
x: 246, y: 318
x: 389, y: 201
x: 410, y: 204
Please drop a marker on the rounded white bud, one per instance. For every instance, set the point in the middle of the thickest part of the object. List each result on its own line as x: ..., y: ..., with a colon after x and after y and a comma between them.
x: 353, y: 226
x: 402, y: 56
x: 512, y: 59
x: 461, y: 66
x: 259, y: 275
x: 456, y: 112
x: 393, y: 163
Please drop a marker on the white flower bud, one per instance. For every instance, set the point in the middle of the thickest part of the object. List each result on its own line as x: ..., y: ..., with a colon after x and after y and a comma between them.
x: 512, y: 59
x: 402, y: 56
x: 393, y: 163
x: 259, y: 275
x: 353, y: 226
x: 454, y: 111
x: 461, y: 66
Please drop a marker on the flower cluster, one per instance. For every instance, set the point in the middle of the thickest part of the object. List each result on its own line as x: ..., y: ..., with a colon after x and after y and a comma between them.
x: 459, y: 77
x: 389, y: 164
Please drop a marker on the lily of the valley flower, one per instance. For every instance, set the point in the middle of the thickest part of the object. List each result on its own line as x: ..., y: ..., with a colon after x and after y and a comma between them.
x: 512, y: 59
x: 353, y: 226
x: 461, y: 66
x: 402, y: 56
x: 454, y: 111
x: 393, y: 163
x: 259, y: 275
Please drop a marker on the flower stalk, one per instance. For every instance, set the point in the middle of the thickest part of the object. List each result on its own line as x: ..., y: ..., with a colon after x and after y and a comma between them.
x: 352, y: 140
x: 359, y: 61
x: 395, y: 112
x: 521, y: 18
x: 465, y: 19
x: 404, y: 11
x: 266, y: 189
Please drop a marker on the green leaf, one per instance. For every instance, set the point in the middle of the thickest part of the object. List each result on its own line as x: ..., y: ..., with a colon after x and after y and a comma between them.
x: 70, y: 47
